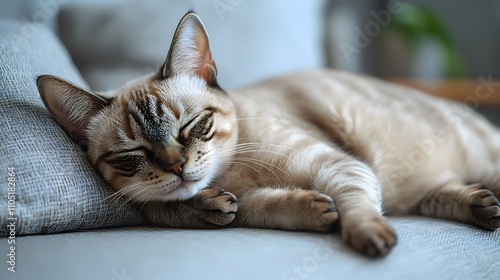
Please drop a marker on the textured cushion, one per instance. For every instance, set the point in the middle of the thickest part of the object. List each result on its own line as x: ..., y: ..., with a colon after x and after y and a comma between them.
x: 427, y: 249
x: 251, y: 40
x: 56, y: 188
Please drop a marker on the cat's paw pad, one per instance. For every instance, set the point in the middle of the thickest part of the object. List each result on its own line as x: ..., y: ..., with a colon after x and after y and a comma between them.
x: 485, y: 208
x: 320, y: 211
x: 216, y: 206
x: 371, y: 237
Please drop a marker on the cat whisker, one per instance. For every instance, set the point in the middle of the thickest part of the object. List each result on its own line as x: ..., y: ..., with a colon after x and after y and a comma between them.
x: 120, y: 193
x: 251, y: 148
x: 124, y: 189
x: 262, y: 164
x: 153, y: 192
x: 293, y: 149
x: 256, y: 118
x: 139, y: 195
x: 135, y: 195
x: 238, y: 160
x: 267, y: 151
x: 218, y: 172
x: 117, y: 121
x: 242, y: 147
x: 247, y: 165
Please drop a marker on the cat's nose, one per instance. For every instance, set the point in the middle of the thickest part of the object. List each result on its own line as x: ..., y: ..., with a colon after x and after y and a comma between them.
x: 175, y: 166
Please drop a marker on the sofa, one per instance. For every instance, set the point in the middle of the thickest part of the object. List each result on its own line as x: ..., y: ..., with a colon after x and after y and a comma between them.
x: 57, y: 221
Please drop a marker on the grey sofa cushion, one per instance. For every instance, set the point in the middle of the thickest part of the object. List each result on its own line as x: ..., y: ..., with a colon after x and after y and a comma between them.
x: 427, y: 249
x: 56, y: 189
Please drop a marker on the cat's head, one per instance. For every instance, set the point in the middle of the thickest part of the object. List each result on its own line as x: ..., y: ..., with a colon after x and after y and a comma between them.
x: 161, y: 137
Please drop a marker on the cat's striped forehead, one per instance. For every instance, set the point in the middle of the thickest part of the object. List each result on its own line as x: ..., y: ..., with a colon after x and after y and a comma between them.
x: 150, y: 117
x: 157, y: 111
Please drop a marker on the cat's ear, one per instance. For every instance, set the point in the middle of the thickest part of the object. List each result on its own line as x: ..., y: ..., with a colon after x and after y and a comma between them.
x: 190, y: 51
x: 71, y: 106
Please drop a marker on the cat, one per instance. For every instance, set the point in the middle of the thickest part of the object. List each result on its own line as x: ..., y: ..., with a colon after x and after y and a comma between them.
x: 315, y: 151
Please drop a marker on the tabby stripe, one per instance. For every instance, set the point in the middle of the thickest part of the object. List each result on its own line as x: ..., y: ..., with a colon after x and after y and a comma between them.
x: 110, y: 153
x: 139, y: 123
x: 207, y: 130
x: 146, y: 110
x: 208, y: 125
x: 141, y: 111
x: 132, y: 174
x: 187, y: 124
x: 127, y: 130
x: 204, y: 126
x: 159, y: 110
x: 210, y: 137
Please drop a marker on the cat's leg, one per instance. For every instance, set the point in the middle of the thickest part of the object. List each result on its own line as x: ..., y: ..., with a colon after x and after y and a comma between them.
x: 492, y: 182
x: 210, y: 208
x: 357, y: 194
x: 289, y: 209
x: 473, y: 204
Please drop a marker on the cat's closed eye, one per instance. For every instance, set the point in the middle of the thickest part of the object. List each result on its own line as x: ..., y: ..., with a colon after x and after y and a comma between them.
x: 127, y: 163
x: 201, y: 127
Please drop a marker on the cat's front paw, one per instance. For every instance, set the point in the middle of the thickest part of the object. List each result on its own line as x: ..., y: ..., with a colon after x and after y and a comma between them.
x: 216, y: 206
x: 320, y: 213
x: 373, y: 237
x: 485, y: 208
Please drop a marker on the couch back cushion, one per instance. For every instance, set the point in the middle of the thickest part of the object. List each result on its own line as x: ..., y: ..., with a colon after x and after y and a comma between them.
x: 251, y: 40
x: 54, y: 187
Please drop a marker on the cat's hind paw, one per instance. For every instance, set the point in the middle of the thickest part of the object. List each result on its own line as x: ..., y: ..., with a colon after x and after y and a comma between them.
x: 216, y: 206
x: 371, y: 237
x: 485, y: 208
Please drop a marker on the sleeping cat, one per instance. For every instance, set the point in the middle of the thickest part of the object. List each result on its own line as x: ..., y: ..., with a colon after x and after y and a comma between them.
x: 286, y: 148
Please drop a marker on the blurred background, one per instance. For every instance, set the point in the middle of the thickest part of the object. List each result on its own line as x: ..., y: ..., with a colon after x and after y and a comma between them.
x: 406, y: 41
x: 419, y: 38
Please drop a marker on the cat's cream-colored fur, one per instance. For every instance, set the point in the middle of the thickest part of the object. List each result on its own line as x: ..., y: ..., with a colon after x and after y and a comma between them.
x: 307, y: 151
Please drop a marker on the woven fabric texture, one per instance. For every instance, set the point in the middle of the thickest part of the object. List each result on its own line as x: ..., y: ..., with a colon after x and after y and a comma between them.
x: 427, y: 249
x: 56, y: 189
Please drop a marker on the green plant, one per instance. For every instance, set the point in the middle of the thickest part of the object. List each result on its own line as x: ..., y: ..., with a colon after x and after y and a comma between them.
x: 416, y: 22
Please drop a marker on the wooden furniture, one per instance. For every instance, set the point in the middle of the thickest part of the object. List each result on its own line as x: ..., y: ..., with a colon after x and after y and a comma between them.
x: 483, y: 91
